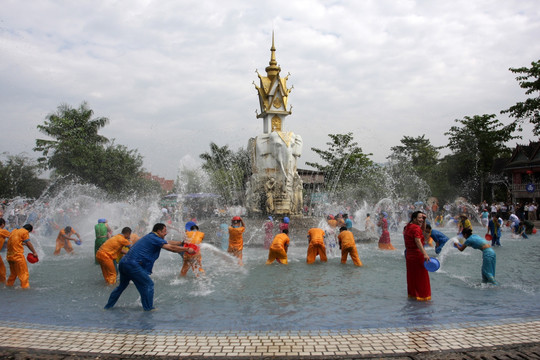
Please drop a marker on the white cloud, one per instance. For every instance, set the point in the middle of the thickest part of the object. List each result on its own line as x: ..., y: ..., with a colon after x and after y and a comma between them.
x: 175, y: 75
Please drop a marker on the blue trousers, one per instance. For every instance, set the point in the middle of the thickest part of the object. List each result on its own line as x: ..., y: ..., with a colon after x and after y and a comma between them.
x: 132, y: 271
x: 488, y: 266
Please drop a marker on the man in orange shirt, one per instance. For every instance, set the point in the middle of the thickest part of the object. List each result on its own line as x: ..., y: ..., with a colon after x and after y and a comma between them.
x: 193, y: 260
x: 316, y: 245
x: 278, y: 248
x: 348, y: 246
x: 15, y: 255
x: 4, y: 234
x: 108, y: 253
x: 236, y: 239
x: 63, y: 240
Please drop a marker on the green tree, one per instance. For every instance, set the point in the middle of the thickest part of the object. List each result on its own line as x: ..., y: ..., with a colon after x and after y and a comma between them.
x: 529, y: 79
x: 345, y: 163
x: 417, y: 151
x: 475, y: 145
x: 78, y: 150
x: 19, y: 176
x: 227, y: 170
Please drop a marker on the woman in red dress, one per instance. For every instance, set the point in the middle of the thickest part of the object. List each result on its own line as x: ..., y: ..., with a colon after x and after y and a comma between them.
x: 418, y: 285
x: 384, y: 240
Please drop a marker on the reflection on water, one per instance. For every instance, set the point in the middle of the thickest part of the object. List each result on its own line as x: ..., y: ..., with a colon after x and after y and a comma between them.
x: 69, y: 290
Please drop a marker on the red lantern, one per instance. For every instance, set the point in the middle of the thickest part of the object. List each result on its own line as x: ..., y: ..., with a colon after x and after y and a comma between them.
x: 529, y: 172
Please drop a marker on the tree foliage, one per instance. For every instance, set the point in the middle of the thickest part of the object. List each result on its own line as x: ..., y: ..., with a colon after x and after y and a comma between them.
x: 227, y: 170
x: 19, y: 176
x: 345, y: 163
x: 528, y: 79
x: 76, y: 149
x: 475, y: 145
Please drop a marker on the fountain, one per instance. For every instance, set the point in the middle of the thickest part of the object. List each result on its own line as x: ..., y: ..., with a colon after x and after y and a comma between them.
x: 274, y: 187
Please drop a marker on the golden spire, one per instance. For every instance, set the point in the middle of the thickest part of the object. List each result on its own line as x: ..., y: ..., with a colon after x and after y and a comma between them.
x: 272, y: 69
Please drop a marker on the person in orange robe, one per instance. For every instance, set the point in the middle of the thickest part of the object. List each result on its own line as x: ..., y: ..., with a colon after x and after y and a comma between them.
x: 4, y: 234
x: 418, y: 285
x: 193, y: 261
x: 316, y: 245
x: 15, y: 255
x: 348, y: 246
x: 278, y: 248
x: 63, y: 240
x: 236, y: 238
x: 108, y: 253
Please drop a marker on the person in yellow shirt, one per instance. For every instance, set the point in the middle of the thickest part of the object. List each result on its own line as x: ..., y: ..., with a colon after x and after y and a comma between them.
x: 348, y: 246
x: 316, y: 245
x: 4, y: 234
x: 108, y: 253
x: 15, y: 255
x: 278, y: 248
x: 193, y: 261
x: 63, y: 240
x: 236, y: 238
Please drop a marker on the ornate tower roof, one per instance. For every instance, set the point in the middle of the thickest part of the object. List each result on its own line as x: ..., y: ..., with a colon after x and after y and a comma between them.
x: 272, y: 90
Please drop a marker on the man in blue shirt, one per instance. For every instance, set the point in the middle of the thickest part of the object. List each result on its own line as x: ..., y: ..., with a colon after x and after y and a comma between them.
x: 137, y: 265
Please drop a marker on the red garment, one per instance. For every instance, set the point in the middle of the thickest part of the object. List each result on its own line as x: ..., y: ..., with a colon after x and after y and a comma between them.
x: 418, y: 285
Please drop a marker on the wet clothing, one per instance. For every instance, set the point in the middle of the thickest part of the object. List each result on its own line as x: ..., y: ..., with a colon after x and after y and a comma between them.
x: 101, y: 236
x: 4, y: 234
x: 316, y: 245
x: 62, y: 243
x: 137, y: 266
x: 348, y: 223
x: 108, y: 253
x: 494, y: 228
x: 489, y: 259
x: 268, y: 233
x: 384, y: 240
x: 236, y: 241
x: 348, y: 247
x: 418, y: 285
x: 278, y: 249
x: 18, y: 267
x: 440, y: 239
x: 193, y: 261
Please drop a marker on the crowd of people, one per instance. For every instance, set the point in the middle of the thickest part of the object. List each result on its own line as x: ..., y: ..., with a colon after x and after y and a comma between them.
x: 129, y: 256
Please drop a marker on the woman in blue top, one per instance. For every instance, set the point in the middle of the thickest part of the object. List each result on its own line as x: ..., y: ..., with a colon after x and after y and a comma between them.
x: 488, y: 255
x: 494, y: 227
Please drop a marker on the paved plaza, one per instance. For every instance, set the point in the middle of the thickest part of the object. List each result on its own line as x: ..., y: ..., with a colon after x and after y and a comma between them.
x: 510, y: 338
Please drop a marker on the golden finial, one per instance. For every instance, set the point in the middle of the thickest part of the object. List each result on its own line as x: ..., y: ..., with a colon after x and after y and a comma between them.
x: 273, y: 69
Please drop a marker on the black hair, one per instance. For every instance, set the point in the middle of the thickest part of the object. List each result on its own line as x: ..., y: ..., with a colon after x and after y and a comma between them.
x: 2, y: 221
x: 28, y: 227
x: 428, y: 227
x: 285, y: 231
x: 343, y: 228
x: 194, y: 227
x: 158, y: 227
x: 67, y: 229
x: 414, y: 215
x: 466, y: 232
x: 126, y: 230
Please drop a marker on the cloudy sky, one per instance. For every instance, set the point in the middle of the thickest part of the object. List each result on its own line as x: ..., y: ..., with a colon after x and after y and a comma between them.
x: 173, y: 76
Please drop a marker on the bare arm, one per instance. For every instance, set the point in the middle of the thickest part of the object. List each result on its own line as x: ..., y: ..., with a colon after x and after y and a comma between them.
x: 418, y: 243
x: 177, y: 249
x: 31, y: 247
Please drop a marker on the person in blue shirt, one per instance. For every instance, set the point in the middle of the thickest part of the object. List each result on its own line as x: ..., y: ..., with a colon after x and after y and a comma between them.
x: 494, y: 228
x: 437, y: 236
x: 489, y: 259
x: 348, y: 222
x: 138, y: 263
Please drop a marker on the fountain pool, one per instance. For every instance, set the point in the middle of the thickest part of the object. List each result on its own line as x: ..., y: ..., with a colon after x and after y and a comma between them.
x: 68, y: 290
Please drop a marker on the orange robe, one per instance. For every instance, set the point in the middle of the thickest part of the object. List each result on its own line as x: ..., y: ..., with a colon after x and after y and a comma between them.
x: 106, y: 255
x: 278, y: 249
x: 316, y: 245
x: 62, y: 243
x: 4, y: 234
x: 236, y: 241
x: 193, y: 260
x: 348, y: 247
x: 15, y: 257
